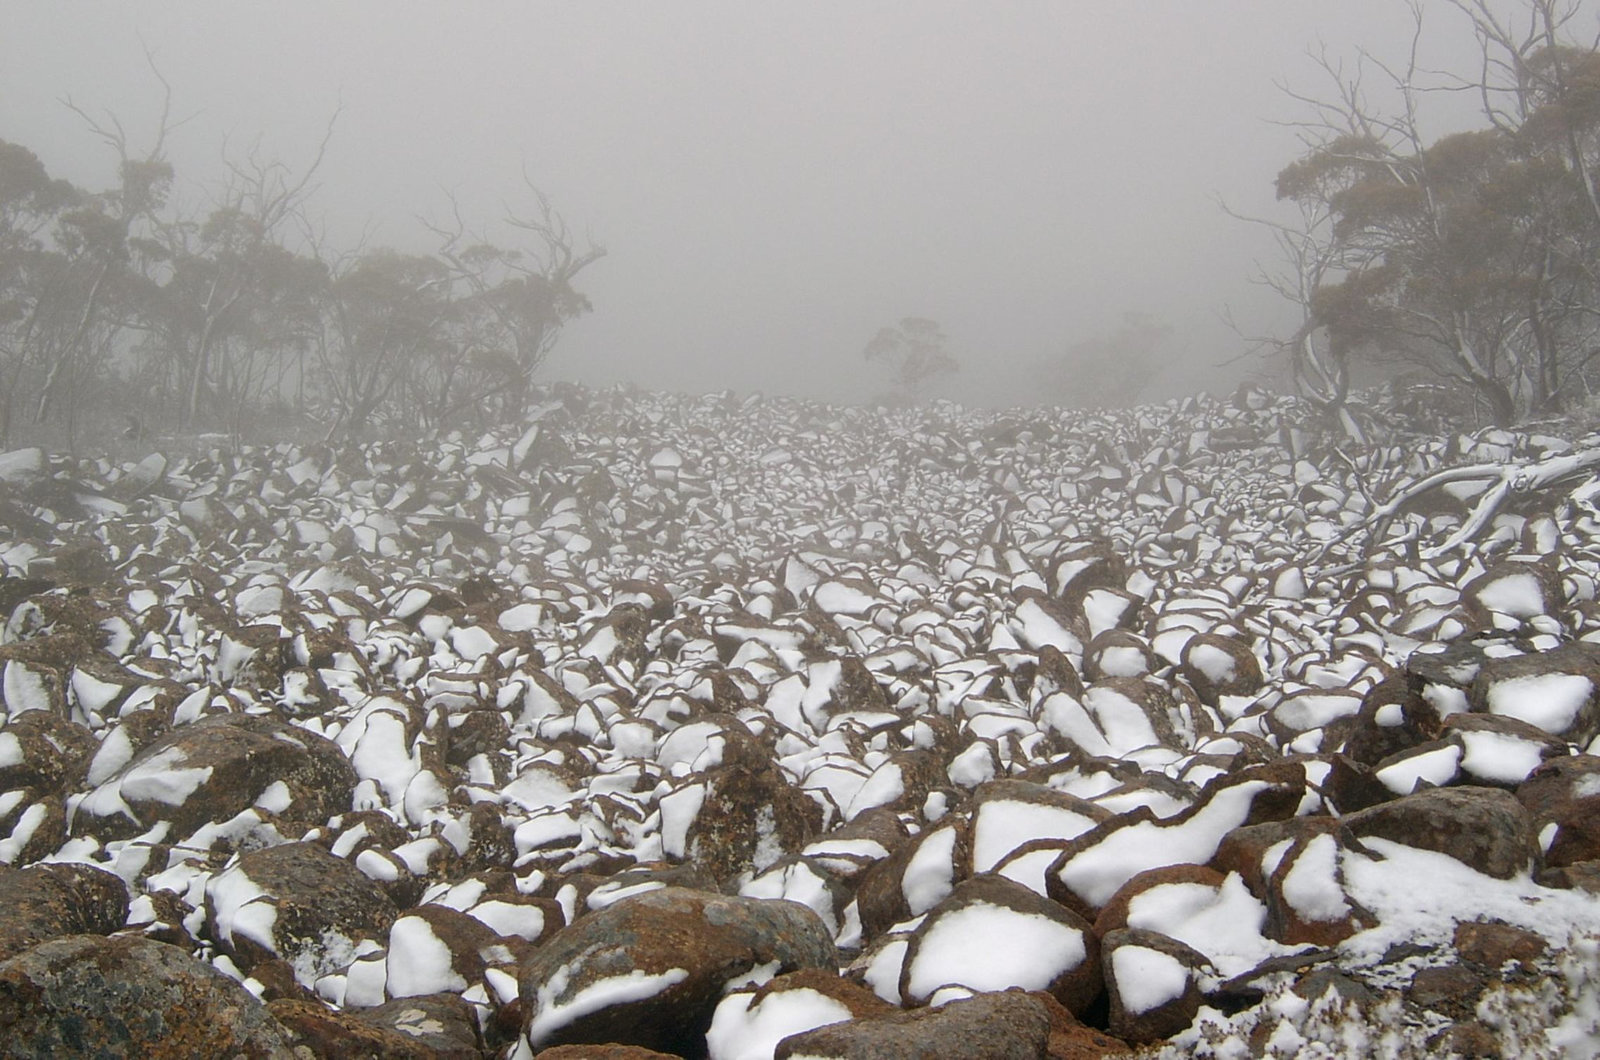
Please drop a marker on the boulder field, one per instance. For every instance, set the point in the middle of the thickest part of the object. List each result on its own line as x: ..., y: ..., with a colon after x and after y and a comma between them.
x: 740, y: 727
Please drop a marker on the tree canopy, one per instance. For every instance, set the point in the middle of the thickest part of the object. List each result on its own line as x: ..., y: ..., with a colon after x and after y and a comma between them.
x: 1470, y: 255
x: 122, y: 305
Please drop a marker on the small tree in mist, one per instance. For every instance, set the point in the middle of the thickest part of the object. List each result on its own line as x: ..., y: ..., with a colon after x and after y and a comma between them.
x: 915, y: 352
x: 1106, y: 371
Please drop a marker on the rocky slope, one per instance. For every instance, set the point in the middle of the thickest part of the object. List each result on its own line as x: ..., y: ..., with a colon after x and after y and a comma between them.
x: 737, y: 727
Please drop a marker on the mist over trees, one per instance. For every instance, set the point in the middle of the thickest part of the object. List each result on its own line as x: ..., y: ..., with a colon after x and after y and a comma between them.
x: 1435, y: 224
x: 916, y: 353
x: 127, y: 306
x: 1468, y: 256
x: 1106, y: 371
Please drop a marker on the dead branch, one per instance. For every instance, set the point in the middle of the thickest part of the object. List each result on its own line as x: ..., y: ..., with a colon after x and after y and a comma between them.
x: 1501, y: 482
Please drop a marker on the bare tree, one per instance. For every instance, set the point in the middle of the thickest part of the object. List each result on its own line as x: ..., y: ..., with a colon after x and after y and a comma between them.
x: 385, y: 315
x: 513, y: 304
x: 232, y: 271
x: 1467, y: 255
x: 98, y: 242
x: 1309, y: 257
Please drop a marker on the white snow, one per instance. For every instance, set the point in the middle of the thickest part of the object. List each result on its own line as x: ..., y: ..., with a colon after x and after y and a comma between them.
x: 1123, y: 661
x: 1311, y: 886
x: 93, y: 694
x: 1437, y: 767
x: 1408, y: 911
x: 274, y: 798
x: 885, y: 785
x: 1096, y: 873
x: 23, y: 689
x: 510, y: 919
x: 973, y: 766
x: 741, y: 1032
x: 375, y: 741
x: 797, y: 882
x: 240, y: 907
x: 1225, y: 923
x: 1550, y: 701
x: 1037, y: 628
x: 551, y: 1014
x: 990, y: 947
x: 1313, y: 710
x: 1002, y: 825
x: 1217, y: 665
x: 159, y: 778
x: 841, y: 599
x: 678, y: 811
x: 1498, y: 757
x: 27, y: 824
x: 418, y: 961
x: 882, y: 974
x: 1147, y: 978
x: 1517, y: 595
x: 1124, y: 723
x: 930, y: 874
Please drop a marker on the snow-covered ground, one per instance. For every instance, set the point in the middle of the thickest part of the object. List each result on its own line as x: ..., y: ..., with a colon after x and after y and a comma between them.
x: 1127, y: 708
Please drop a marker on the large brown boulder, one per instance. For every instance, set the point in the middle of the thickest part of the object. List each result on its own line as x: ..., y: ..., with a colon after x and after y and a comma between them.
x: 1094, y: 866
x: 1244, y: 849
x: 1514, y: 589
x: 915, y: 877
x: 84, y: 995
x: 458, y: 948
x: 742, y: 814
x: 1485, y: 828
x: 46, y: 901
x: 211, y: 770
x: 649, y: 970
x: 1217, y: 666
x: 330, y: 1034
x: 297, y: 902
x: 1307, y: 900
x: 1395, y: 715
x: 1565, y: 792
x: 1500, y: 751
x: 1034, y: 944
x: 1153, y: 982
x: 1556, y: 690
x: 44, y: 752
x: 1006, y: 1026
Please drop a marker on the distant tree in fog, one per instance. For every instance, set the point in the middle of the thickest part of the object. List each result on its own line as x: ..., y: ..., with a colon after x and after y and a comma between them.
x: 236, y: 307
x: 513, y: 302
x: 1105, y: 371
x: 75, y: 272
x: 127, y: 305
x: 385, y: 319
x: 915, y: 352
x: 31, y: 272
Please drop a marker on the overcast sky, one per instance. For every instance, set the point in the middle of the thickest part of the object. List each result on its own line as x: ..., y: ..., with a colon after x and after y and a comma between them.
x: 773, y: 181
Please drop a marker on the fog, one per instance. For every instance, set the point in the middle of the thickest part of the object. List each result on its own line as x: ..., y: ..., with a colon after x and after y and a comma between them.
x: 773, y: 182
